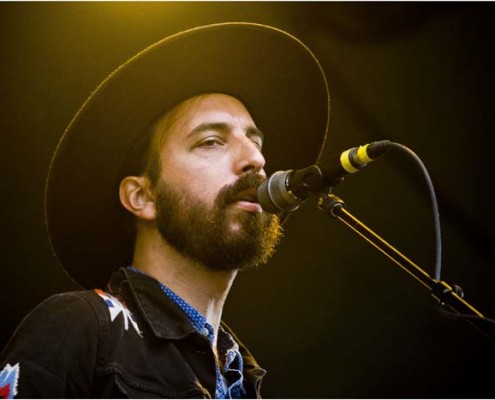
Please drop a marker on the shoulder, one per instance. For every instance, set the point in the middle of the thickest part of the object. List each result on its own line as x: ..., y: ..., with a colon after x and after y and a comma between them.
x: 62, y: 317
x: 68, y: 318
x: 88, y: 309
x: 63, y: 308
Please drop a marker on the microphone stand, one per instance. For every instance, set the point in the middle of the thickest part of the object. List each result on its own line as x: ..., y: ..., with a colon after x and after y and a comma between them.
x: 450, y: 297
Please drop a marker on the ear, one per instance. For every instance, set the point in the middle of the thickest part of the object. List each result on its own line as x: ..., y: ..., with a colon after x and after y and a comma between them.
x: 136, y: 196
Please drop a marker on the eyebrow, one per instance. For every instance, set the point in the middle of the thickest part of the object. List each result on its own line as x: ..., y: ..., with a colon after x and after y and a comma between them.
x: 224, y: 127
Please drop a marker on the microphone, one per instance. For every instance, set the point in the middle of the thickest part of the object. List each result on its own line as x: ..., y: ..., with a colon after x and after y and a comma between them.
x: 285, y: 191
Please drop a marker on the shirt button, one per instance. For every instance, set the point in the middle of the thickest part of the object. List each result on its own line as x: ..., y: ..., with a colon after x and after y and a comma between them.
x: 205, y: 331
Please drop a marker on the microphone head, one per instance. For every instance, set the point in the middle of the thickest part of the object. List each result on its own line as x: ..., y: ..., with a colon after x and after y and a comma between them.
x: 273, y: 195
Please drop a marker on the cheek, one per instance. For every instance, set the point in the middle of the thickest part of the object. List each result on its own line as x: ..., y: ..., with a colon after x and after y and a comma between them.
x: 198, y: 178
x: 195, y: 183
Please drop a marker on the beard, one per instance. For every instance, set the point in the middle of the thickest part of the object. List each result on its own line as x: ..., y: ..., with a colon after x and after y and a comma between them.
x: 220, y: 237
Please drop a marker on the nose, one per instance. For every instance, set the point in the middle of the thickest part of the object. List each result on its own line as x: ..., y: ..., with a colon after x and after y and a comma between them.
x: 249, y: 158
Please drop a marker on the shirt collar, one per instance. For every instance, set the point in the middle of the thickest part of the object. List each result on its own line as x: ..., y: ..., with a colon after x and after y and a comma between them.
x: 197, y: 319
x: 159, y: 312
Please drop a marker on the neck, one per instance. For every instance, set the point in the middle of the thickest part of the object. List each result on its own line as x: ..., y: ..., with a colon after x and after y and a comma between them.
x: 203, y: 288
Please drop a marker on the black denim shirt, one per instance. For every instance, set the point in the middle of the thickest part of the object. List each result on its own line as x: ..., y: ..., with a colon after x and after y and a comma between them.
x: 130, y: 341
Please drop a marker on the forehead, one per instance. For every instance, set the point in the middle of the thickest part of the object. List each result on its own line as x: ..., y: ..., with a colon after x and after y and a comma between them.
x: 204, y: 108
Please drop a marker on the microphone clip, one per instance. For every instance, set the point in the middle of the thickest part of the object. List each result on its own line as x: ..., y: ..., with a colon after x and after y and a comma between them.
x: 304, y: 182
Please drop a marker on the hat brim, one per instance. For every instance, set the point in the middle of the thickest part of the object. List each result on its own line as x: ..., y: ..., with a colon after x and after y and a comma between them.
x: 276, y: 76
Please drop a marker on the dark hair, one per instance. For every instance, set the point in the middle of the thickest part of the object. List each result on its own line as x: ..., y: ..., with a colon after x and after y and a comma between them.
x: 143, y: 157
x: 140, y: 159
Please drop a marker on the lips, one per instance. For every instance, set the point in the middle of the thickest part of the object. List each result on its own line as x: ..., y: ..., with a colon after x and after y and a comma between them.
x: 249, y: 195
x: 247, y: 200
x: 243, y: 193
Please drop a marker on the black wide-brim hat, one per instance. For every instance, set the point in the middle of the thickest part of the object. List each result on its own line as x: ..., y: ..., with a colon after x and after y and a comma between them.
x: 277, y: 78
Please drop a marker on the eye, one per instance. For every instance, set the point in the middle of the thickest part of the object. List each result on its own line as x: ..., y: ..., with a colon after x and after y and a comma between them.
x: 211, y: 142
x: 258, y: 142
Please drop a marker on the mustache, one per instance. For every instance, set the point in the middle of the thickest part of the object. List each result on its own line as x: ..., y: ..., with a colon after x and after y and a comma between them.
x: 228, y: 193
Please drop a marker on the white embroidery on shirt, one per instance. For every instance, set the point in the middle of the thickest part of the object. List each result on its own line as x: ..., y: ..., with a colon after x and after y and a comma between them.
x: 115, y: 307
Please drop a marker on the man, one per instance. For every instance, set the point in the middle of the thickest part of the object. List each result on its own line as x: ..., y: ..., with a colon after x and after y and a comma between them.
x: 151, y: 195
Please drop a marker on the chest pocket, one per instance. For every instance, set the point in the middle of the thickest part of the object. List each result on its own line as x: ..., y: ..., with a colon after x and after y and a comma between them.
x: 116, y: 385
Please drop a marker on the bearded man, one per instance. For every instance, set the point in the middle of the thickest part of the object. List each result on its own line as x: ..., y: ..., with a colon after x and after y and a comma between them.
x: 151, y: 195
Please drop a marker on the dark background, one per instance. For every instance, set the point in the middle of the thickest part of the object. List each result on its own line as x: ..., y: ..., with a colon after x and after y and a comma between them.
x: 329, y: 317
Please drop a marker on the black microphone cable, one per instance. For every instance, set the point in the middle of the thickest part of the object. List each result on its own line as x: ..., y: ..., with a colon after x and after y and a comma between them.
x: 434, y: 205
